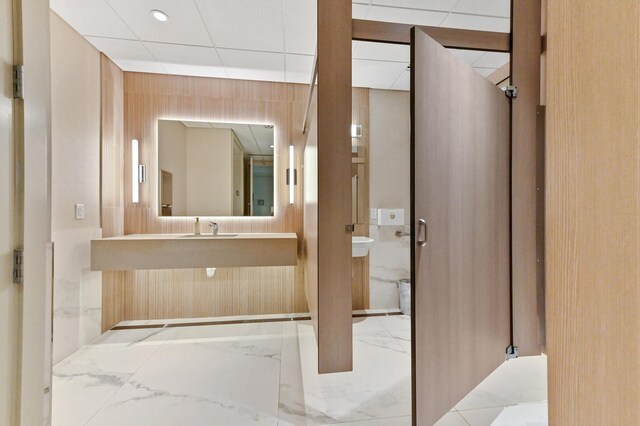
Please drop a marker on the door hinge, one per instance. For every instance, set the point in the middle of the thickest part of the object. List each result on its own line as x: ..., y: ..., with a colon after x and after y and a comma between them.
x: 511, y: 92
x: 18, y: 81
x: 18, y: 276
x: 350, y: 228
x: 512, y: 352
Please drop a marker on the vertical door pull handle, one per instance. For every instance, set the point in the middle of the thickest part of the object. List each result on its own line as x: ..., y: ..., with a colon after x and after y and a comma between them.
x: 423, y: 232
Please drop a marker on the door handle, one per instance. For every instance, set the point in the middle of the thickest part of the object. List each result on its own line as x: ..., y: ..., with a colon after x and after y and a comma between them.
x: 422, y: 225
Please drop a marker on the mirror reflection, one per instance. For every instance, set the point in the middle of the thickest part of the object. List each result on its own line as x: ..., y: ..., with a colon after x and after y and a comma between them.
x: 215, y: 169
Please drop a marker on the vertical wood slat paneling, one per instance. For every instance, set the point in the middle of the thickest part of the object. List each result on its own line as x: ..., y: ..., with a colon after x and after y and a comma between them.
x: 525, y: 74
x: 593, y: 212
x: 112, y: 184
x: 360, y: 265
x: 232, y: 291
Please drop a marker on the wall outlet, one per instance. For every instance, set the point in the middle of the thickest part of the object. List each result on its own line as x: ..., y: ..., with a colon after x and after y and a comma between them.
x: 79, y: 208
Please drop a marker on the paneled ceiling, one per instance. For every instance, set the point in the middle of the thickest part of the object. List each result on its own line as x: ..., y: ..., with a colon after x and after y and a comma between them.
x: 256, y: 139
x: 272, y: 40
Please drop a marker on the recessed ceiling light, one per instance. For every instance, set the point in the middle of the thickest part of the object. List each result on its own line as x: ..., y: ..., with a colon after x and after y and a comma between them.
x: 270, y: 146
x: 159, y: 15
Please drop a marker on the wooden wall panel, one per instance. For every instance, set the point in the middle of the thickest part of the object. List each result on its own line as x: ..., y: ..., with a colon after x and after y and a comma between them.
x: 525, y: 74
x: 334, y: 99
x: 593, y: 212
x: 360, y: 265
x: 112, y: 183
x: 233, y: 291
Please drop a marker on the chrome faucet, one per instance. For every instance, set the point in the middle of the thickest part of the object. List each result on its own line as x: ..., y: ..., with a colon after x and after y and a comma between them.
x: 214, y: 228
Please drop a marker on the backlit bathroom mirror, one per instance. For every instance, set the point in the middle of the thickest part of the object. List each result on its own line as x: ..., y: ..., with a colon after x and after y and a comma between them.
x: 215, y: 169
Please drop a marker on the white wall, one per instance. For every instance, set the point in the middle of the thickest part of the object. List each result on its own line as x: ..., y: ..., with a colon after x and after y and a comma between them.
x: 9, y: 292
x: 75, y: 92
x: 209, y: 172
x: 238, y: 177
x: 389, y: 187
x: 172, y: 157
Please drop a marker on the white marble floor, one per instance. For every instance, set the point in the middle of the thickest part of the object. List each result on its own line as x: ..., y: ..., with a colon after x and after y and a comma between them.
x: 264, y: 374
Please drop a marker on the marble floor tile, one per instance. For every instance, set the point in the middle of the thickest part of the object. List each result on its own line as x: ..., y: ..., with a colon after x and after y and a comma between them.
x: 481, y: 416
x: 378, y: 386
x: 223, y: 375
x: 516, y: 381
x: 534, y: 414
x: 266, y: 374
x: 86, y: 380
x: 396, y: 322
x: 395, y: 421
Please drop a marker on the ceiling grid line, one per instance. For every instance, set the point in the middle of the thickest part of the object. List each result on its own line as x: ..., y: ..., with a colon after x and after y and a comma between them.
x: 272, y: 40
x: 215, y: 48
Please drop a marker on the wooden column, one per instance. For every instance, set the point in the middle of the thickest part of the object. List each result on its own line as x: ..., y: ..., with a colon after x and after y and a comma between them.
x: 334, y: 186
x: 593, y: 212
x: 525, y: 74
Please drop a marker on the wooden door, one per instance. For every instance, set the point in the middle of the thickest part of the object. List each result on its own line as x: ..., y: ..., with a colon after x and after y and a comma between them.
x: 460, y: 212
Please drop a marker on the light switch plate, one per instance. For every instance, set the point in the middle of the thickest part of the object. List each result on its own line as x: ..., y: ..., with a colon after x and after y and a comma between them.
x: 373, y: 214
x: 79, y: 209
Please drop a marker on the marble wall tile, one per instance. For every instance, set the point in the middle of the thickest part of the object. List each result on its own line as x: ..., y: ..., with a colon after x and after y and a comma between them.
x: 389, y: 261
x: 77, y: 292
x: 389, y: 187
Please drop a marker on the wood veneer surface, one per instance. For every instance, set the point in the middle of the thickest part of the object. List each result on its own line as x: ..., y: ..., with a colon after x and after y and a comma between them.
x: 112, y: 183
x: 150, y: 97
x: 460, y: 176
x: 334, y: 111
x: 593, y: 212
x: 527, y: 277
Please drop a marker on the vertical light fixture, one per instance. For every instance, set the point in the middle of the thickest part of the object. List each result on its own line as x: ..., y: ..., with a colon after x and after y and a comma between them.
x: 291, y: 177
x: 135, y: 190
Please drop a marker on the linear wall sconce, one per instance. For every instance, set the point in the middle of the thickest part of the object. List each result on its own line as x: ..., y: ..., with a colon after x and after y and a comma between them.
x: 138, y: 171
x: 356, y: 130
x: 135, y: 190
x: 292, y: 176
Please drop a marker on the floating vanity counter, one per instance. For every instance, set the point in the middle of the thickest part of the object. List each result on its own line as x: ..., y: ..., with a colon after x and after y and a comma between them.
x: 178, y: 251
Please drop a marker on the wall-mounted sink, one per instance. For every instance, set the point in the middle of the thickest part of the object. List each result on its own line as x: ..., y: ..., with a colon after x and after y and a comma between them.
x: 360, y: 246
x: 220, y: 235
x: 175, y: 251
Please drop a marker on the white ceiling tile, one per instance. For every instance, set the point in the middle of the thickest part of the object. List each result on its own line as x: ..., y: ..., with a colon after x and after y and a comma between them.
x: 122, y: 49
x: 382, y: 51
x: 376, y: 74
x: 250, y: 65
x: 245, y: 24
x: 299, y: 68
x: 492, y: 60
x: 469, y: 56
x: 359, y: 11
x: 406, y: 16
x: 182, y: 54
x: 443, y: 5
x: 194, y: 70
x: 183, y: 27
x: 92, y: 17
x: 474, y: 22
x: 403, y: 82
x: 485, y: 71
x: 485, y: 7
x: 300, y: 23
